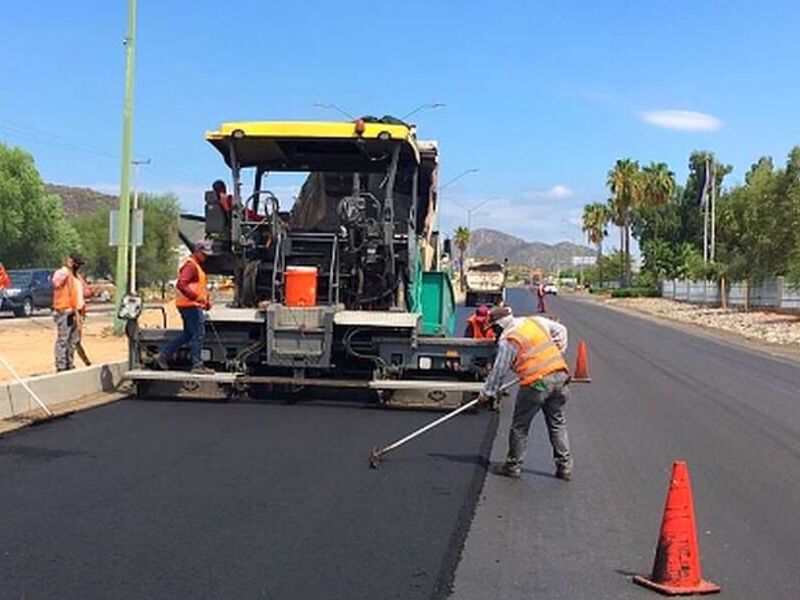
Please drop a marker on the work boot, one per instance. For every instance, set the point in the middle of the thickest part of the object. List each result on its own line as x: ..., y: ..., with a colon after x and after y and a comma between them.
x: 508, y: 470
x: 202, y: 370
x: 162, y: 363
x: 564, y: 473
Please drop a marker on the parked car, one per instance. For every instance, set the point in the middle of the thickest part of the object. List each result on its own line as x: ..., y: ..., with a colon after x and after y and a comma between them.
x: 102, y: 290
x: 30, y: 289
x: 551, y: 288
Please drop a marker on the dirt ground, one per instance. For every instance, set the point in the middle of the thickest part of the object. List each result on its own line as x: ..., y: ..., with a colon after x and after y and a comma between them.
x: 765, y: 326
x: 28, y: 344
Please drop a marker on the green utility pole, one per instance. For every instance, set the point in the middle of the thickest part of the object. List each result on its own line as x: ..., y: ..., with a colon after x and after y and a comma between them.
x: 121, y: 278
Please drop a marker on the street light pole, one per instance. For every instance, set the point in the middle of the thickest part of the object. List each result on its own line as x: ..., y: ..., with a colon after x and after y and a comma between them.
x: 136, y: 164
x: 427, y: 105
x: 457, y: 177
x: 121, y: 279
x: 331, y: 106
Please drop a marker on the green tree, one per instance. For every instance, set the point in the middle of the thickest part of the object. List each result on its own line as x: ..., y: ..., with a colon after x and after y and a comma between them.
x: 156, y: 259
x: 596, y: 217
x: 99, y: 255
x: 461, y: 239
x: 625, y: 183
x: 33, y: 229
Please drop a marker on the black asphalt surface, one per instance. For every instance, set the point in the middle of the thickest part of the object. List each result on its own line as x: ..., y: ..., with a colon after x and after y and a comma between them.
x: 187, y: 500
x: 143, y: 499
x: 658, y: 395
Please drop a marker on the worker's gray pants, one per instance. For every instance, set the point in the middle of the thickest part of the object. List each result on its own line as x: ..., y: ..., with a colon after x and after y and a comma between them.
x: 551, y: 400
x: 67, y: 339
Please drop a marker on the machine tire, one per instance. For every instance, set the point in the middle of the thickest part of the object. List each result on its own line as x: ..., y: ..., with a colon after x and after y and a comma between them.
x: 26, y: 310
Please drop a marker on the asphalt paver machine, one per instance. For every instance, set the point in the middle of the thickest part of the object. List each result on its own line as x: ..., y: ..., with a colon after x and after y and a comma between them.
x: 339, y: 290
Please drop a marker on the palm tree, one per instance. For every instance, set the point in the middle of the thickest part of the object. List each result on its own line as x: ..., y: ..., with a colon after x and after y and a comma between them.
x: 461, y: 239
x: 624, y: 181
x: 658, y: 188
x: 595, y: 220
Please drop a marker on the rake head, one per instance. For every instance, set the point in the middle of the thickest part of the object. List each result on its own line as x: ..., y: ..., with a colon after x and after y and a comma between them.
x: 374, y: 458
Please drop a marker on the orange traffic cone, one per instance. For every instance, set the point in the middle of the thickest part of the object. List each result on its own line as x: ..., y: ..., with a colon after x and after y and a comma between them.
x: 676, y: 569
x: 581, y: 374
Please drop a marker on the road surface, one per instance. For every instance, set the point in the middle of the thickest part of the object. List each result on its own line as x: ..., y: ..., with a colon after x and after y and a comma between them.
x: 203, y: 500
x: 657, y: 395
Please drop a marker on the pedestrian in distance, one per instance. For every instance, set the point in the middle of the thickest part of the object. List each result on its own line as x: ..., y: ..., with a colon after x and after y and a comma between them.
x: 531, y: 349
x: 477, y: 325
x: 192, y: 301
x: 69, y: 310
x: 540, y: 294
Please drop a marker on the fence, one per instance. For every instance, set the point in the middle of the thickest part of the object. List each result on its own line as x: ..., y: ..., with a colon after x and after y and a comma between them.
x: 771, y: 293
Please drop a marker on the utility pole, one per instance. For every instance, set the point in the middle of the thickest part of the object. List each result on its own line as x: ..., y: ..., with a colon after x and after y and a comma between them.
x: 705, y: 211
x: 136, y: 164
x: 712, y: 252
x: 121, y: 279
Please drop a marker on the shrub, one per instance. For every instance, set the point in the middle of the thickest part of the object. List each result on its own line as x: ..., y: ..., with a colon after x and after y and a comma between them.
x: 636, y: 292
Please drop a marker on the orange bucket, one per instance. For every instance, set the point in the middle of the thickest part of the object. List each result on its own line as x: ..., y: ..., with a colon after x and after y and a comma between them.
x: 301, y: 286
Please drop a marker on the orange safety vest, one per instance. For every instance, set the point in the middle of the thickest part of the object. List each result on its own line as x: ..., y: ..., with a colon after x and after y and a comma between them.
x: 537, y: 354
x: 478, y: 332
x: 65, y: 298
x: 5, y: 280
x: 198, y: 287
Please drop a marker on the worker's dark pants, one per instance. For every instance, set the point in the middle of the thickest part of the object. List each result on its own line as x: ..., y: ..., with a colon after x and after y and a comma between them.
x: 550, y: 396
x: 194, y: 331
x: 542, y: 307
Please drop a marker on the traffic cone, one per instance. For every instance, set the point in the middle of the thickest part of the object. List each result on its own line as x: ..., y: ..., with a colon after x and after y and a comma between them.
x: 581, y: 374
x: 676, y: 569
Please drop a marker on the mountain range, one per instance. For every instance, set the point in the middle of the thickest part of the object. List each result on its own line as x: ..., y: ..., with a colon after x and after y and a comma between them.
x: 496, y: 245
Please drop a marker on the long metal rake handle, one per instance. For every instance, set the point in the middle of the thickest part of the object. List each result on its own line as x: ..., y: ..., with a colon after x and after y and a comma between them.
x: 376, y: 453
x: 20, y: 381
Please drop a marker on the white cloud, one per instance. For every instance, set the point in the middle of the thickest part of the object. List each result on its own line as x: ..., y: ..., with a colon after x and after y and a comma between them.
x: 681, y: 120
x: 557, y: 192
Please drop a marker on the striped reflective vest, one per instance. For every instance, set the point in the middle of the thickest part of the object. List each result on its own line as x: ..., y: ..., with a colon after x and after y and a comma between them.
x: 537, y: 355
x: 198, y: 287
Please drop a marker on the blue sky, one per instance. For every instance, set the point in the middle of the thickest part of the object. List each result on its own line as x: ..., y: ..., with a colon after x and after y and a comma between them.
x: 542, y: 98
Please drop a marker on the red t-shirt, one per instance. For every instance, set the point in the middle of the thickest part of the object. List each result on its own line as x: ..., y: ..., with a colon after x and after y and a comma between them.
x: 226, y: 202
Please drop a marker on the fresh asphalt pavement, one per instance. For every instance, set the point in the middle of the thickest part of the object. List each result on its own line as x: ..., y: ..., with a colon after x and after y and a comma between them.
x: 164, y: 499
x: 657, y: 395
x: 200, y: 500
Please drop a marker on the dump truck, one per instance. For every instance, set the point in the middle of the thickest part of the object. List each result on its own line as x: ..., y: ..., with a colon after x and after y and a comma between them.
x: 340, y: 290
x: 486, y: 283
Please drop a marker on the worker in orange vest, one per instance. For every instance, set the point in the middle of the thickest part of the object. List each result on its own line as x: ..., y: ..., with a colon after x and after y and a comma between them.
x: 69, y: 310
x: 477, y: 326
x: 192, y: 300
x: 531, y: 349
x: 5, y: 280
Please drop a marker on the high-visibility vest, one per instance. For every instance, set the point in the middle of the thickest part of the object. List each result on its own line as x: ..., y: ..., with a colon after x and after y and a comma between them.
x: 478, y: 332
x: 66, y: 298
x: 198, y: 287
x: 537, y: 354
x: 5, y: 280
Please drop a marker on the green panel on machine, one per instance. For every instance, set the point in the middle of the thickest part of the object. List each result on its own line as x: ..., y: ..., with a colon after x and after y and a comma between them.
x: 438, y: 304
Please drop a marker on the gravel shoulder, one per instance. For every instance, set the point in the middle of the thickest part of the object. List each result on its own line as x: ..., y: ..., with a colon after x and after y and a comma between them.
x: 771, y: 333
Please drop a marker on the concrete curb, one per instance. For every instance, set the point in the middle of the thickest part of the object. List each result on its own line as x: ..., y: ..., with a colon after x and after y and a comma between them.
x: 59, y: 388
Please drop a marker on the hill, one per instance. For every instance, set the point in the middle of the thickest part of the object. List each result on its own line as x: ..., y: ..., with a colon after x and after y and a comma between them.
x: 496, y: 245
x: 81, y: 201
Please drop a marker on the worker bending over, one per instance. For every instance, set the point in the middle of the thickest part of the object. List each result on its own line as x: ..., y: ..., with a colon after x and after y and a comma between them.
x: 192, y: 300
x: 531, y: 348
x: 477, y: 325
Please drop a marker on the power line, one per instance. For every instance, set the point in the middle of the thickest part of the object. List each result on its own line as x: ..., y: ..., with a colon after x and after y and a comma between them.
x: 54, y: 140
